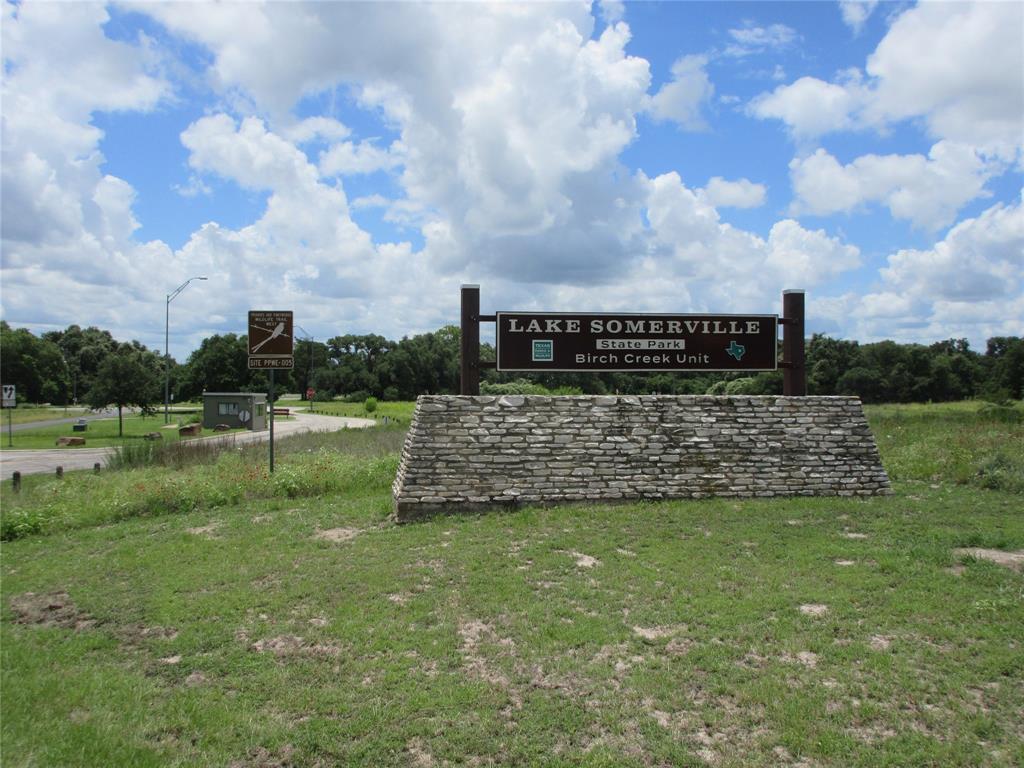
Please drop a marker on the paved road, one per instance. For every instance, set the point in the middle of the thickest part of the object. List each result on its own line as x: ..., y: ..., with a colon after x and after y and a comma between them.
x: 47, y: 460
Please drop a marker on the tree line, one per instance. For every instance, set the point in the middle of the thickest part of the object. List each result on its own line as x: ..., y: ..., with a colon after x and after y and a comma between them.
x: 88, y: 366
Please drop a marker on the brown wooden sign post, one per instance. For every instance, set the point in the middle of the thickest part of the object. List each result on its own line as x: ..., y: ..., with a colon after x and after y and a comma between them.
x: 567, y: 341
x: 794, y: 370
x: 469, y: 342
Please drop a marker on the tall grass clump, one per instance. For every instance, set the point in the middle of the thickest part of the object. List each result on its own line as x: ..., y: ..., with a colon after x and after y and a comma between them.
x: 177, y: 454
x: 83, y: 499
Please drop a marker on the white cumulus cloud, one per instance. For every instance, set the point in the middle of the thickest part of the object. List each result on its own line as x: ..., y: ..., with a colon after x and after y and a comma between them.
x: 969, y: 284
x: 683, y: 99
x: 959, y: 67
x: 751, y: 38
x: 856, y: 13
x: 741, y: 193
x: 927, y: 191
x: 350, y: 157
x: 810, y: 107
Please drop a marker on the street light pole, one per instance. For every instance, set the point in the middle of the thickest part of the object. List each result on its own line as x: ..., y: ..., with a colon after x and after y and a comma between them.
x: 309, y: 338
x: 167, y: 354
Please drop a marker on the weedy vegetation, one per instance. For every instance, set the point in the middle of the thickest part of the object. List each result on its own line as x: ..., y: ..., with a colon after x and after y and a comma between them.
x: 208, y: 613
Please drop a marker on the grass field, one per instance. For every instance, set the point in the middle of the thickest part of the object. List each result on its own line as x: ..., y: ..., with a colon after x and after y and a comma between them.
x: 99, y: 434
x: 395, y: 411
x: 221, y: 616
x: 25, y: 414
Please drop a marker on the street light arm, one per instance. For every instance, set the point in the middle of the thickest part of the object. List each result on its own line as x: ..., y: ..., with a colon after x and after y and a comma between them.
x: 180, y: 288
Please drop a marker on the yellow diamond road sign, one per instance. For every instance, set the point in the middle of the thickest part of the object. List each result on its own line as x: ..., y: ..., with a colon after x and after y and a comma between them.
x: 270, y: 339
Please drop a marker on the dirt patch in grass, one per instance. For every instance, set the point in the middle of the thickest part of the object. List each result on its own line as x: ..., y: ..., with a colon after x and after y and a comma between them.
x: 337, y: 535
x: 813, y: 609
x: 137, y: 634
x: 736, y: 728
x: 50, y: 609
x: 807, y: 659
x: 871, y: 734
x: 627, y: 740
x: 1011, y: 560
x: 474, y: 634
x: 419, y: 755
x: 620, y: 658
x: 854, y: 536
x: 585, y: 561
x: 261, y: 757
x: 653, y: 634
x: 284, y: 646
x: 205, y: 530
x: 880, y: 643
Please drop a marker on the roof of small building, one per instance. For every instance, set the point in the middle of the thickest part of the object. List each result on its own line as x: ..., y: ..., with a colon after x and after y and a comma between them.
x: 235, y: 394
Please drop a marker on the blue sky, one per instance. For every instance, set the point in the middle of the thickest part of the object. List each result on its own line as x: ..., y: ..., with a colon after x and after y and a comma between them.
x: 357, y: 162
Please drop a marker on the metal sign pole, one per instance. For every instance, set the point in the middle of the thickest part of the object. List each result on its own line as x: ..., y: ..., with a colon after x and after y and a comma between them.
x: 10, y: 400
x: 270, y: 406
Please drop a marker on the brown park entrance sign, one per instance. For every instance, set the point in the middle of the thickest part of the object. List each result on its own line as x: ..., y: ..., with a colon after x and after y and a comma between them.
x: 270, y: 340
x: 564, y: 341
x: 589, y: 341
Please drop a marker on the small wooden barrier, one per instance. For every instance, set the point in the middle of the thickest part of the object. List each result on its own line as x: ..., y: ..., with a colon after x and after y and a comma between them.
x: 282, y: 411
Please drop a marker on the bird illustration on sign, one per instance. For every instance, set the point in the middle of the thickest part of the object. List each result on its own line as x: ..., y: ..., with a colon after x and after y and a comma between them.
x: 277, y: 332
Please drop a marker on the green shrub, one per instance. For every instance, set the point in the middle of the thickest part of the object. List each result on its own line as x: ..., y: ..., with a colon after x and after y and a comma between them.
x: 1000, y: 473
x: 517, y: 387
x: 566, y: 391
x: 744, y: 386
x: 21, y: 522
x: 1002, y: 413
x: 370, y: 404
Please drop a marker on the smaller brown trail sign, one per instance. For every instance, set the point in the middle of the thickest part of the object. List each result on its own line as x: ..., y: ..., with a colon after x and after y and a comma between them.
x: 271, y: 346
x: 271, y: 339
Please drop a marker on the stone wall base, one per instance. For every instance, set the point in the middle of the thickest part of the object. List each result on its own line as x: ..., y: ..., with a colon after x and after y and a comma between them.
x: 467, y: 453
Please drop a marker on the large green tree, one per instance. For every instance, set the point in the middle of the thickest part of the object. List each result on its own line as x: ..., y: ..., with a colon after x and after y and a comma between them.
x: 84, y: 350
x: 1004, y: 359
x: 35, y: 366
x: 310, y: 356
x: 221, y: 364
x: 125, y: 379
x: 423, y: 364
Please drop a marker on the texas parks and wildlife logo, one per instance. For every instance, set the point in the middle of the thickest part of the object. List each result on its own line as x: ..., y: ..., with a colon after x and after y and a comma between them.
x: 543, y: 351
